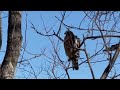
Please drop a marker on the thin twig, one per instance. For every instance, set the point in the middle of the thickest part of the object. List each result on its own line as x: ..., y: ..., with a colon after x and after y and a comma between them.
x: 67, y: 73
x: 92, y: 73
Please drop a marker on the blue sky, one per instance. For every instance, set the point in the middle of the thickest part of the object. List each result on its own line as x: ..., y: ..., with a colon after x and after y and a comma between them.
x: 36, y: 43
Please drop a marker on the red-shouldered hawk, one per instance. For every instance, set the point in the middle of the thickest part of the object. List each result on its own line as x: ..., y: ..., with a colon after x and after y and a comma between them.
x: 72, y: 48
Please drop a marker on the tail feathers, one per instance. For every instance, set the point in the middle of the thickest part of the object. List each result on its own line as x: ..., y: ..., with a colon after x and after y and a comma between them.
x: 75, y: 64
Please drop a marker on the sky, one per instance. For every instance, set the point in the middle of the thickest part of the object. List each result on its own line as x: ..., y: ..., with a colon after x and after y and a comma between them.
x: 36, y: 43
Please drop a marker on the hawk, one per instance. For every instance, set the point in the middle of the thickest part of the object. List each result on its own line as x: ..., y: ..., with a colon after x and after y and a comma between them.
x: 72, y: 48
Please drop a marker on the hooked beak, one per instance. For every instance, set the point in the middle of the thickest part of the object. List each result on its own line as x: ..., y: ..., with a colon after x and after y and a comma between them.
x: 65, y: 33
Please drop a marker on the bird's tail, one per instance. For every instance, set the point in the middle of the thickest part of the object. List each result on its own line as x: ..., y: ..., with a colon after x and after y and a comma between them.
x: 75, y: 64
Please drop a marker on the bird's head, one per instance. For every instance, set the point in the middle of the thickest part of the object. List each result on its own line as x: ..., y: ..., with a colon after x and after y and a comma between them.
x: 69, y: 33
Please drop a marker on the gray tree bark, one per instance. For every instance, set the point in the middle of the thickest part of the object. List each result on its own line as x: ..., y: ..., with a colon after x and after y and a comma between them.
x: 14, y: 40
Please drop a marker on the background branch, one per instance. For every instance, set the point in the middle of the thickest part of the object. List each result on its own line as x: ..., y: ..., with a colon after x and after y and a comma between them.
x: 110, y: 65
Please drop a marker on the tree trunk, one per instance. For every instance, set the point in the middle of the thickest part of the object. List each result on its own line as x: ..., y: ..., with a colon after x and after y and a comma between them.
x: 14, y: 41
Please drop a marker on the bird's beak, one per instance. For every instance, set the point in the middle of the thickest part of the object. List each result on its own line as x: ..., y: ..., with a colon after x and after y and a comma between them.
x: 65, y: 33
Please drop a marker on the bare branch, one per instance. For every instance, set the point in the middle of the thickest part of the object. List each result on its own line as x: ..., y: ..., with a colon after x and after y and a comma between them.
x: 89, y: 62
x: 67, y: 73
x: 110, y: 65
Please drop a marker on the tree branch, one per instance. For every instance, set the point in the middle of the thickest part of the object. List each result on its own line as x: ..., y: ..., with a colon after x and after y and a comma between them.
x: 110, y: 65
x: 89, y: 62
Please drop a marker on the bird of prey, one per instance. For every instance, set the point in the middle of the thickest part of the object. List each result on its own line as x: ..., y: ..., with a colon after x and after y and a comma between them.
x: 72, y: 48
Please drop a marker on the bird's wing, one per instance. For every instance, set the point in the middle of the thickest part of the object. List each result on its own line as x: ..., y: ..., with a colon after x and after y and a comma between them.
x: 68, y: 44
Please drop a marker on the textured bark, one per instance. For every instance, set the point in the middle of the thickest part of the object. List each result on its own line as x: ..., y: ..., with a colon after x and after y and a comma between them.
x: 14, y: 40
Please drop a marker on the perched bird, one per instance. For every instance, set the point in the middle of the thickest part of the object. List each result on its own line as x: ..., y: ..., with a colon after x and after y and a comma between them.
x: 72, y: 48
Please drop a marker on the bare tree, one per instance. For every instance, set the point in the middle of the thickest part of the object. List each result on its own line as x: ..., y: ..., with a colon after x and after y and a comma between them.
x: 98, y: 20
x: 13, y: 45
x: 99, y: 27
